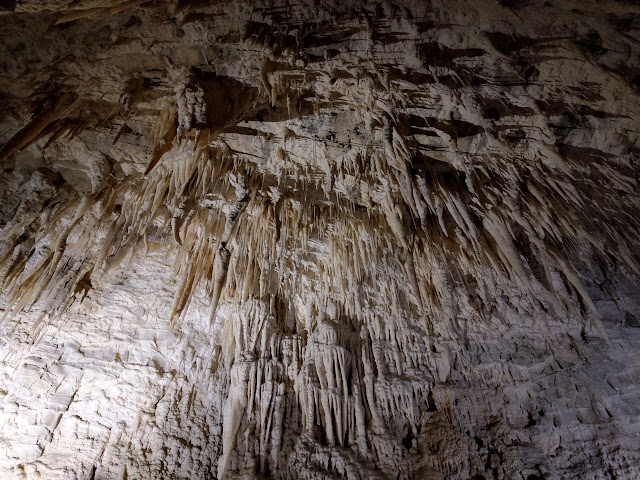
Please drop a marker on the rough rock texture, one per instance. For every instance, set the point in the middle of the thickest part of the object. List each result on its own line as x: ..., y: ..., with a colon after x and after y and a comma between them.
x: 320, y: 240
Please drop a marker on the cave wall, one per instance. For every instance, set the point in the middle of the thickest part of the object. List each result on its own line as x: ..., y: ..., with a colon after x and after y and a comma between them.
x: 319, y: 239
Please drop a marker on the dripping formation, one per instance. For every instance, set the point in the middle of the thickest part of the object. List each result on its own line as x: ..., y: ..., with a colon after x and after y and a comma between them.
x: 359, y: 218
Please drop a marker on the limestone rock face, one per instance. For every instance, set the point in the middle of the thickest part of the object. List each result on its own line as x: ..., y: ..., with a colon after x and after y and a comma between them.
x: 319, y: 239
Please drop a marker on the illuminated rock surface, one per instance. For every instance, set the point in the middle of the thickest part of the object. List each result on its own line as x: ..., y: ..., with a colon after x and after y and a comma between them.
x: 319, y: 240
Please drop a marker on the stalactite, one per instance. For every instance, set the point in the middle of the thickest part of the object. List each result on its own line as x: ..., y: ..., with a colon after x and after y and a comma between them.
x: 368, y: 208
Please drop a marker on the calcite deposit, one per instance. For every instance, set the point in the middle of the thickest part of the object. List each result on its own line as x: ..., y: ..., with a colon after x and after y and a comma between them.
x: 319, y: 239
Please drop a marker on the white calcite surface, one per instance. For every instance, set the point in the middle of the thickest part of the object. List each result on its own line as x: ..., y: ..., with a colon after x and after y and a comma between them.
x: 318, y: 240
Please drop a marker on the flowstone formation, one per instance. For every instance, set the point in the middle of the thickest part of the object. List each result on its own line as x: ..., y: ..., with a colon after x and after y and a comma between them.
x: 321, y: 239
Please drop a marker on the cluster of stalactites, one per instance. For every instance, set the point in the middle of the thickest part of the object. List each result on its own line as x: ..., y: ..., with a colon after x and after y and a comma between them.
x: 328, y: 383
x: 373, y: 218
x: 219, y: 219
